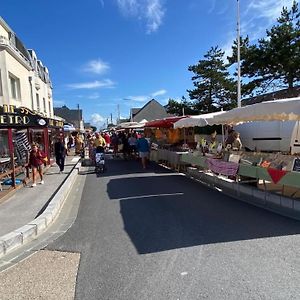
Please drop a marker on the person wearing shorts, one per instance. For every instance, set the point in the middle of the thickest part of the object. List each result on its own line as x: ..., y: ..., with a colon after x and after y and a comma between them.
x: 36, y: 162
x: 143, y: 149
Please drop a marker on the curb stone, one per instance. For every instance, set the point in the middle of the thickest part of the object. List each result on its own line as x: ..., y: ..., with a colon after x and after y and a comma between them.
x: 28, y: 232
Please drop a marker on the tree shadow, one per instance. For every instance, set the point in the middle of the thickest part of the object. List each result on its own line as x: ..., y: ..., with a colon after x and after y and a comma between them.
x: 169, y: 211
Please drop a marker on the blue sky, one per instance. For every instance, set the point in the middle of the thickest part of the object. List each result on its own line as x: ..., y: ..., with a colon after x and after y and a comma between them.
x: 102, y: 54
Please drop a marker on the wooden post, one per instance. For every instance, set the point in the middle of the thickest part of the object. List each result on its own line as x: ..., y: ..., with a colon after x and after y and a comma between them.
x: 46, y: 143
x: 12, y: 156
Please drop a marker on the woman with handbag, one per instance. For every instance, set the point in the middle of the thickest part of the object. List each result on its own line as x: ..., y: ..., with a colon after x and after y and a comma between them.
x: 36, y: 162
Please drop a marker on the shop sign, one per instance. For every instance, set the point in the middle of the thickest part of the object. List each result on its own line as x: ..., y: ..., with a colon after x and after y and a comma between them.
x: 11, y: 116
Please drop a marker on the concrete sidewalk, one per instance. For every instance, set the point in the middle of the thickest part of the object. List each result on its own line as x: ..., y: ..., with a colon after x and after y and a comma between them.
x: 27, y: 203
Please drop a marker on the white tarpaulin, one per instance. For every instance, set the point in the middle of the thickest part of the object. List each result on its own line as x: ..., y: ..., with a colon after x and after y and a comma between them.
x: 200, y: 120
x: 132, y: 125
x: 276, y: 110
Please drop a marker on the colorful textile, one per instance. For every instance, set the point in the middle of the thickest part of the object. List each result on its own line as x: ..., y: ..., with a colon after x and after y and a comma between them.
x: 222, y: 167
x: 276, y: 175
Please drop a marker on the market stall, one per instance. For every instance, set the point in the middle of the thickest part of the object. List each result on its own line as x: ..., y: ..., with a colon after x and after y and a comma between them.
x: 168, y: 143
x: 278, y: 172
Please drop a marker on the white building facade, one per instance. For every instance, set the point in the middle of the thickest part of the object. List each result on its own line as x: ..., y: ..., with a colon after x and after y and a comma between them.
x: 24, y: 80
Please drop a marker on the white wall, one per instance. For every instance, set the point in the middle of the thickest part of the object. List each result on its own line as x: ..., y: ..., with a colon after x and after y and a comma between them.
x: 10, y: 64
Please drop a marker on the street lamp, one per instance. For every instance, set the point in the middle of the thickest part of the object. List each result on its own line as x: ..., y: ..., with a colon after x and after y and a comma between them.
x: 238, y: 56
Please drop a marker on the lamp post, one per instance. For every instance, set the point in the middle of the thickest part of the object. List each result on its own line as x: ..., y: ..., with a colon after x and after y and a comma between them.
x: 238, y: 56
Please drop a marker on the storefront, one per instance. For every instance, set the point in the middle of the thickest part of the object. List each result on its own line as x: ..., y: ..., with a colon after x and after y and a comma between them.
x: 19, y: 128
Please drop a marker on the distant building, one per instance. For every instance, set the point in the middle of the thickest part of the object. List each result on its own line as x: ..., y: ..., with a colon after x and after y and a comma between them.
x: 150, y: 111
x: 24, y: 80
x: 72, y: 116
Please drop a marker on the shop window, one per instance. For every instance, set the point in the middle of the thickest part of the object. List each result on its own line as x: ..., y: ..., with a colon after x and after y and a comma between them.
x: 4, y: 150
x: 1, y: 90
x: 44, y: 104
x: 15, y: 87
x: 38, y: 107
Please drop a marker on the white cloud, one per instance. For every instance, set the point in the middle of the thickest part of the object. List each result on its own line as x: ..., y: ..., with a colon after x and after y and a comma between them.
x: 150, y: 10
x: 59, y: 103
x: 128, y: 7
x: 137, y: 98
x: 256, y: 17
x: 106, y: 83
x: 159, y: 93
x: 96, y: 66
x: 260, y: 15
x: 94, y: 96
x: 97, y: 120
x: 144, y: 98
x: 154, y: 15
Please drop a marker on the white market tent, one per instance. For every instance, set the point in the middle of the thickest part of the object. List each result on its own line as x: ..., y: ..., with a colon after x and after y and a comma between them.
x: 200, y: 120
x: 276, y: 110
x: 132, y: 125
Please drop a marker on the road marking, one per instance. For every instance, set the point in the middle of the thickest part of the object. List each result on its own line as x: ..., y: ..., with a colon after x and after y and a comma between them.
x: 183, y: 273
x: 150, y: 196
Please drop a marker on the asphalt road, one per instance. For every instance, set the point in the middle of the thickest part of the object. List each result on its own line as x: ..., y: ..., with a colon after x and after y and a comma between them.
x: 159, y: 235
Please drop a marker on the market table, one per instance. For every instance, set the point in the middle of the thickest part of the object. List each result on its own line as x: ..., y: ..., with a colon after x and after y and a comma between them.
x: 287, y: 178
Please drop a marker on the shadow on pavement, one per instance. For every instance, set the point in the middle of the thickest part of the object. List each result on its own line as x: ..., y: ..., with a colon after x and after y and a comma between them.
x: 163, y: 212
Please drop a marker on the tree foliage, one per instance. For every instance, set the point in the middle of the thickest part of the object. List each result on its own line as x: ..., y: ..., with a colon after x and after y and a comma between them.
x: 213, y: 86
x: 178, y: 108
x: 275, y: 61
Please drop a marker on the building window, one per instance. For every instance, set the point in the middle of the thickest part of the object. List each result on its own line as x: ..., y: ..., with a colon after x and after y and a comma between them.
x: 50, y: 109
x: 1, y: 90
x: 15, y: 87
x: 44, y: 104
x: 38, y: 107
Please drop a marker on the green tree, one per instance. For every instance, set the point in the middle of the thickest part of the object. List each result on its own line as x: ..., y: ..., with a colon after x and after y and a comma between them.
x: 275, y: 61
x: 213, y: 86
x: 177, y: 108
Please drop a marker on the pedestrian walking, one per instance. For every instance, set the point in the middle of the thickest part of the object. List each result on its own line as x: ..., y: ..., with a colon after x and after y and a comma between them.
x: 36, y: 163
x: 143, y: 148
x: 60, y: 154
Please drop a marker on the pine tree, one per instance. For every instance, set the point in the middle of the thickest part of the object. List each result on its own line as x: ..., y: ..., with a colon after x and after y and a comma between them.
x: 214, y: 89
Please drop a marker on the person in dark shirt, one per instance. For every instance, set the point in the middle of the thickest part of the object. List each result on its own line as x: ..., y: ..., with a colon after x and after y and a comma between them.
x: 60, y: 154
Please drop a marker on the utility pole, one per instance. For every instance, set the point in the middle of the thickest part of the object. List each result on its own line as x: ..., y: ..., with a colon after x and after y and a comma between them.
x: 79, y: 119
x: 118, y: 111
x: 238, y: 56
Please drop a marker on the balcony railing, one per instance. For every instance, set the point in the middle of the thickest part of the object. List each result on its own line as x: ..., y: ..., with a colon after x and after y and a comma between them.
x: 5, y: 42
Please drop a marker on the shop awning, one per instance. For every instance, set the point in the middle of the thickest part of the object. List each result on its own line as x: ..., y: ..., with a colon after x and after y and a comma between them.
x: 277, y: 110
x: 164, y: 123
x: 199, y: 120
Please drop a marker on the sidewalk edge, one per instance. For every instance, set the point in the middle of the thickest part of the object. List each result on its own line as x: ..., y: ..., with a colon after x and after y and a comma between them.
x: 19, y: 237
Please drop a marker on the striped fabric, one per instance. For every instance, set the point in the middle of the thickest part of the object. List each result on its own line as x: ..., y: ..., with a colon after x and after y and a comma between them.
x: 222, y: 167
x: 22, y: 144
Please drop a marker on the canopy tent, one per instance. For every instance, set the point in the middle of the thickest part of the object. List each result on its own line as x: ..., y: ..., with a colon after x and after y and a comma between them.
x: 277, y: 110
x: 199, y: 120
x: 164, y: 123
x: 132, y: 125
x: 69, y: 128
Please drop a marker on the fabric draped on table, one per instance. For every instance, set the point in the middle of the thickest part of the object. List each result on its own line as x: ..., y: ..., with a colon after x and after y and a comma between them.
x: 276, y: 175
x: 222, y: 167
